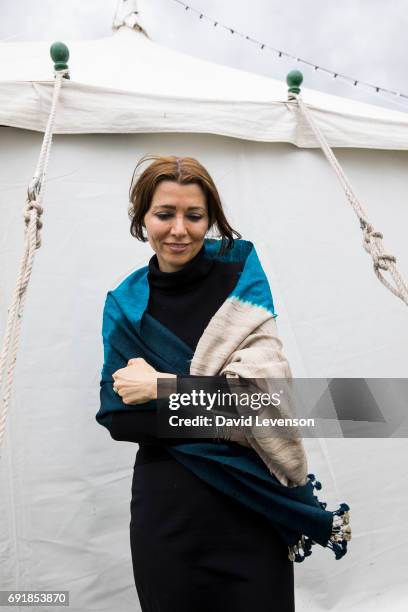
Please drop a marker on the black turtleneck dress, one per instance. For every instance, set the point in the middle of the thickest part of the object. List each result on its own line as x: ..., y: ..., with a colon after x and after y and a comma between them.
x: 193, y: 548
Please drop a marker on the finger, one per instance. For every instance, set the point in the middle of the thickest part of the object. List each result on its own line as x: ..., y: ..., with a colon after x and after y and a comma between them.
x: 127, y: 398
x: 135, y: 360
x: 118, y: 373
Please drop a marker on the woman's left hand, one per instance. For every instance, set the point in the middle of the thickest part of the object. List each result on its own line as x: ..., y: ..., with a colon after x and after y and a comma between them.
x: 137, y: 383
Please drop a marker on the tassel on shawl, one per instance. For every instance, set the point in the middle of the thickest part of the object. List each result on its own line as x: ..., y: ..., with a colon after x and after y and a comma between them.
x: 340, y: 535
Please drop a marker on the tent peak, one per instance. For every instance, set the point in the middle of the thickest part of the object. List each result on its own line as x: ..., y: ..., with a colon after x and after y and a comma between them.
x: 127, y: 15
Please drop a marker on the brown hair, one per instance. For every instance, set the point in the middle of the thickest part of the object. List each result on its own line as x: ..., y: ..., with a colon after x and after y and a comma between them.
x: 182, y: 170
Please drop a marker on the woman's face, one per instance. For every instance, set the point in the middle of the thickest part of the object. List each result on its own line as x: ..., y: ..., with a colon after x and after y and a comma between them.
x: 176, y: 223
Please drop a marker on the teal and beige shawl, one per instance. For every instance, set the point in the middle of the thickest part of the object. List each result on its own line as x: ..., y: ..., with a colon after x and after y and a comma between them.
x: 267, y: 473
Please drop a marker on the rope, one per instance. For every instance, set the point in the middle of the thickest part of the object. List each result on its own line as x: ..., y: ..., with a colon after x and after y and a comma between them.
x: 372, y: 240
x: 32, y: 213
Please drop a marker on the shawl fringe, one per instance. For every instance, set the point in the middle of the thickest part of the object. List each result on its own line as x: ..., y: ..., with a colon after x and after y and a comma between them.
x: 340, y: 535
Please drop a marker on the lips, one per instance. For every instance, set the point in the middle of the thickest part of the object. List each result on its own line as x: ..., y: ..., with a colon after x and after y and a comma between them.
x: 177, y: 248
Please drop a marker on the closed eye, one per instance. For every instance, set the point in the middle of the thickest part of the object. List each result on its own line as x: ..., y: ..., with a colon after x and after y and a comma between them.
x: 165, y: 216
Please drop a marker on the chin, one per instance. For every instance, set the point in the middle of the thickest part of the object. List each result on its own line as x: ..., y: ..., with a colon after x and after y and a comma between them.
x: 179, y: 259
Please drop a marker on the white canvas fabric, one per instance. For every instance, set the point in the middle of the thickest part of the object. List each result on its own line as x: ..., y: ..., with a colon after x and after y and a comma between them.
x: 64, y: 484
x: 160, y: 90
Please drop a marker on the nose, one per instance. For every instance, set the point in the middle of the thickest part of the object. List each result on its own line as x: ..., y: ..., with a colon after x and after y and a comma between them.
x: 178, y: 227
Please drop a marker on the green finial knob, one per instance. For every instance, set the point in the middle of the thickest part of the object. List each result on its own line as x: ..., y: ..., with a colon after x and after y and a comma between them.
x: 60, y: 54
x: 294, y: 80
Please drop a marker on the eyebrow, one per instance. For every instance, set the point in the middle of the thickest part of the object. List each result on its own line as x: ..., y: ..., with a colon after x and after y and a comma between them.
x: 172, y: 207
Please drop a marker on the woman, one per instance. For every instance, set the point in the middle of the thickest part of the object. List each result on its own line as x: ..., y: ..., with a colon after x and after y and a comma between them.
x: 201, y: 307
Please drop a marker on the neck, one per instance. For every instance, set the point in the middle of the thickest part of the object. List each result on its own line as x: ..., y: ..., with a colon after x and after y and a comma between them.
x: 192, y: 272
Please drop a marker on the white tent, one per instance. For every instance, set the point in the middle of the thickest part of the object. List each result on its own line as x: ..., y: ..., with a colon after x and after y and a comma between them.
x: 65, y: 485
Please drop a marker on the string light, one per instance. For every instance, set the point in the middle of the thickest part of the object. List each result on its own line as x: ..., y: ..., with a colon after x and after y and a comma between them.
x: 262, y: 45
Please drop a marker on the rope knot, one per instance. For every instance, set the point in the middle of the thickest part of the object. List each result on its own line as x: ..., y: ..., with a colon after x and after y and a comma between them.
x: 369, y: 233
x: 372, y: 240
x: 383, y: 261
x: 33, y: 205
x: 33, y: 210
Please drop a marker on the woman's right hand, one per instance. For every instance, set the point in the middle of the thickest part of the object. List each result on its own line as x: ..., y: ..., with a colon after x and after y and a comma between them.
x: 137, y: 382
